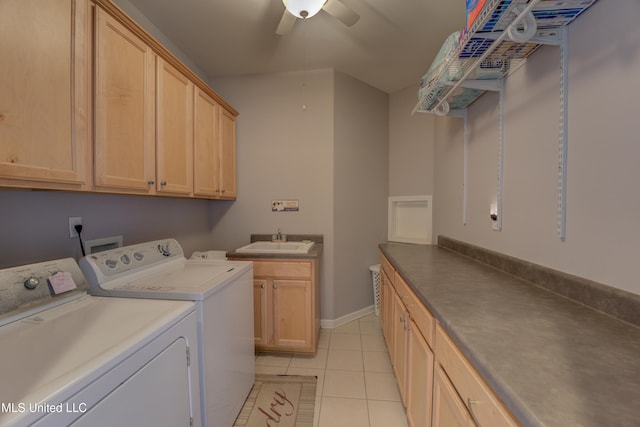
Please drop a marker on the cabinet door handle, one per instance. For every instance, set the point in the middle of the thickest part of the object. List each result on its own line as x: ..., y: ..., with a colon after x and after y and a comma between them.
x: 262, y: 286
x: 473, y: 415
x: 222, y: 191
x: 275, y: 286
x: 163, y: 183
x: 151, y: 182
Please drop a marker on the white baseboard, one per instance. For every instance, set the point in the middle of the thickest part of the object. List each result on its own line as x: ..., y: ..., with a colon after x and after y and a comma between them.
x: 330, y: 324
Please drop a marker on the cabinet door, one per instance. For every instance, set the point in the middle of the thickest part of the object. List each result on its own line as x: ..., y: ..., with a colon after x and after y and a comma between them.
x: 174, y: 130
x: 292, y: 323
x: 124, y: 155
x: 260, y: 312
x: 419, y: 379
x: 227, y: 153
x: 205, y: 158
x: 448, y: 410
x: 387, y: 310
x: 399, y: 354
x: 44, y: 92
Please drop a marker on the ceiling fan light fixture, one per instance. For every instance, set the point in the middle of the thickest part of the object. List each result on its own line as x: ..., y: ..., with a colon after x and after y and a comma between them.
x: 303, y: 8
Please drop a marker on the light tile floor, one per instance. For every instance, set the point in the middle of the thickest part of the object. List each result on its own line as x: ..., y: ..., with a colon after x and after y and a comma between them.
x: 356, y: 385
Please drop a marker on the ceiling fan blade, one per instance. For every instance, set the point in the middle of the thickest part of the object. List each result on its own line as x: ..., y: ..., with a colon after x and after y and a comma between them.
x: 286, y: 23
x: 341, y: 11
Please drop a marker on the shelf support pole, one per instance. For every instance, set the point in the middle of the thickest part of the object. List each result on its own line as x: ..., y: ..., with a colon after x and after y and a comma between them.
x: 500, y: 184
x: 561, y: 225
x: 464, y: 167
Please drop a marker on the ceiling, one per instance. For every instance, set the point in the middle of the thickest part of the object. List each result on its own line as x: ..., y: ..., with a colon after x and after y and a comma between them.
x: 390, y: 47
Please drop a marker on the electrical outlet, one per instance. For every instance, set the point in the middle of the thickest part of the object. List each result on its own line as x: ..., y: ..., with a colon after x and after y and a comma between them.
x: 73, y: 221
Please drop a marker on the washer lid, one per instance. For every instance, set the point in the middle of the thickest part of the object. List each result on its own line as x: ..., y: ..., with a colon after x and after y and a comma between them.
x: 51, y: 355
x: 183, y: 280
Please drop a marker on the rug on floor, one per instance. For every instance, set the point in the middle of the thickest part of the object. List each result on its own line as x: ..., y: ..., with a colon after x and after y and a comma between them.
x: 279, y: 401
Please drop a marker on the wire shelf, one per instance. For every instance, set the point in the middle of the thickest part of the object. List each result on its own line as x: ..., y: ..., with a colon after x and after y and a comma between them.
x: 486, y: 50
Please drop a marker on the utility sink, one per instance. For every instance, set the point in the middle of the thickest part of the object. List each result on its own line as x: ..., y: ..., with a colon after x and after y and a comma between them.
x: 277, y: 247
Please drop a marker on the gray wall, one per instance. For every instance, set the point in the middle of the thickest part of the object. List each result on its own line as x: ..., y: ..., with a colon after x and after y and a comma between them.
x: 411, y: 146
x: 34, y: 225
x: 361, y: 177
x: 603, y: 202
x: 331, y: 156
x: 283, y: 152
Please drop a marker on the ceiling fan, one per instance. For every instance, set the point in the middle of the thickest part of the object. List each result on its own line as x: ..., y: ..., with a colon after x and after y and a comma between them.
x: 304, y: 9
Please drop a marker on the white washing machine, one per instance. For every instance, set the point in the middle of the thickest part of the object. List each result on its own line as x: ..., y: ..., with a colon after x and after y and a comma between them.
x: 223, y: 293
x: 71, y: 359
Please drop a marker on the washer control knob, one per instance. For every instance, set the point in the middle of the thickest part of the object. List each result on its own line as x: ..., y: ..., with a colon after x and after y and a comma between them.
x: 31, y: 282
x: 125, y: 259
x: 111, y: 263
x: 138, y: 256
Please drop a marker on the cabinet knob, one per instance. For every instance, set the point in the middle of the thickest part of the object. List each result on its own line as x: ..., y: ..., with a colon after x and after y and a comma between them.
x: 275, y: 286
x: 163, y: 183
x: 222, y: 191
x: 262, y: 286
x: 151, y: 182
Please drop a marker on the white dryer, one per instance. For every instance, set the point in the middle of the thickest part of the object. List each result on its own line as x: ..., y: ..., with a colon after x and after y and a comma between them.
x: 71, y: 359
x: 223, y: 294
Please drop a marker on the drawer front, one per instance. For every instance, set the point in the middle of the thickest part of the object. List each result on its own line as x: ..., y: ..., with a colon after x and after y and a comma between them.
x: 423, y: 319
x: 283, y: 269
x: 476, y: 395
x: 387, y: 268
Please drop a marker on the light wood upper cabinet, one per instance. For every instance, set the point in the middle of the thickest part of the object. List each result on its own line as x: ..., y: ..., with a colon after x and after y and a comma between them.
x: 174, y: 130
x: 91, y: 101
x: 227, y: 152
x: 214, y: 147
x: 44, y: 98
x: 124, y: 156
x: 206, y: 131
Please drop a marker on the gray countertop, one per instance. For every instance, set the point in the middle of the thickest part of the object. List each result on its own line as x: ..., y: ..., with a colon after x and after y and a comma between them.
x: 552, y: 361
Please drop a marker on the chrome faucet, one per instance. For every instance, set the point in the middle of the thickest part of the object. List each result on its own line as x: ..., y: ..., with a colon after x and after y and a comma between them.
x: 279, y: 237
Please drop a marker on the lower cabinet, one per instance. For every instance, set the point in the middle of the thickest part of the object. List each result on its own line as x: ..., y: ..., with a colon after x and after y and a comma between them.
x: 419, y: 383
x: 476, y: 398
x: 286, y: 304
x: 448, y: 410
x: 400, y: 344
x: 386, y: 305
x: 438, y: 385
x: 408, y: 334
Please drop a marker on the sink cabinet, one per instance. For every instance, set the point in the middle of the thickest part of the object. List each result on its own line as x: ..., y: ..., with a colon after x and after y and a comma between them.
x: 286, y: 304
